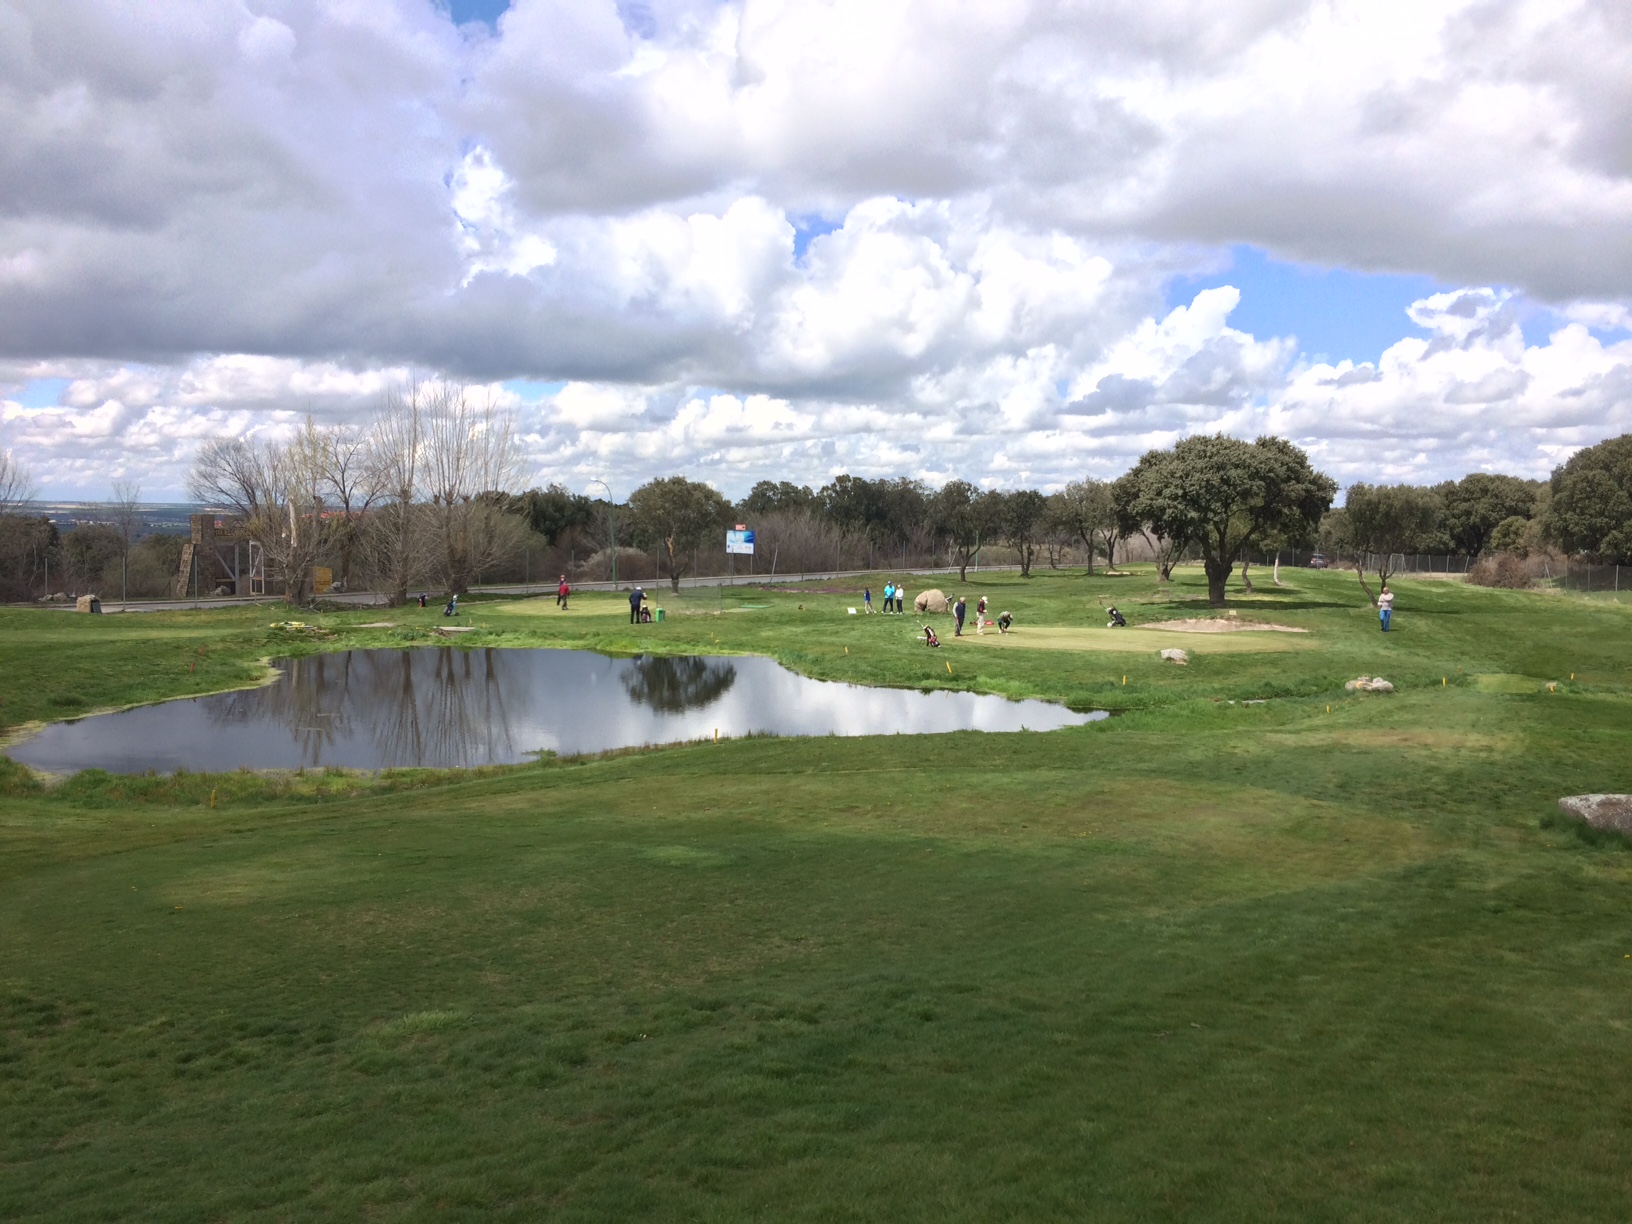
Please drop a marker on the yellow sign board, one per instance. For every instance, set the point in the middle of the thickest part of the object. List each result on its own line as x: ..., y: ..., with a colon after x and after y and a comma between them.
x: 322, y: 579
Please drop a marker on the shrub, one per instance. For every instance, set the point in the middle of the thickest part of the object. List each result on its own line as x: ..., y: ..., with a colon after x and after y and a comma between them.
x: 1501, y: 570
x: 1519, y: 536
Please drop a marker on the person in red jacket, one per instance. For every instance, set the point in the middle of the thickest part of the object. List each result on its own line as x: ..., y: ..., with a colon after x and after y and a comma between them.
x: 561, y: 593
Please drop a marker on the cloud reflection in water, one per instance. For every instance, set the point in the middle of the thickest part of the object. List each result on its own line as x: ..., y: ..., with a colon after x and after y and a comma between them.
x: 442, y: 707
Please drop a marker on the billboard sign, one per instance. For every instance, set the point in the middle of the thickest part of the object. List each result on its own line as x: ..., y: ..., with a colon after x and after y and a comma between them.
x: 740, y: 542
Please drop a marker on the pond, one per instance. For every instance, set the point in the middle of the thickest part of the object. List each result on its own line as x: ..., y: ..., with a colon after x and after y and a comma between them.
x: 443, y: 708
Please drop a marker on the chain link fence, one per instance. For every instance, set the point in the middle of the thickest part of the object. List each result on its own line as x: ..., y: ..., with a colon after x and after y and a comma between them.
x: 1545, y: 571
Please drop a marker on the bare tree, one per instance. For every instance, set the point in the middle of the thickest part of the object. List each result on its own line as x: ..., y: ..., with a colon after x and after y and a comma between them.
x: 279, y: 492
x: 472, y: 458
x: 16, y: 484
x: 292, y: 529
x: 351, y: 484
x: 234, y: 473
x: 122, y: 509
x: 396, y: 450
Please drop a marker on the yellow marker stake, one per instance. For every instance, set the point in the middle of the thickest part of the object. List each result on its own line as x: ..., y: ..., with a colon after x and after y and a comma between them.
x: 1328, y: 709
x: 1444, y: 681
x: 212, y: 796
x: 1124, y: 680
x: 1572, y: 675
x: 716, y: 735
x: 949, y: 669
x: 847, y: 650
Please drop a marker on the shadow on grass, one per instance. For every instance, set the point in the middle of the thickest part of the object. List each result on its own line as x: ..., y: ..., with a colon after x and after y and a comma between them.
x: 1591, y: 835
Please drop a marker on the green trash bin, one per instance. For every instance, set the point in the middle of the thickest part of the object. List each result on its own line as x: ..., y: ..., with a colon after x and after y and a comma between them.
x: 660, y: 614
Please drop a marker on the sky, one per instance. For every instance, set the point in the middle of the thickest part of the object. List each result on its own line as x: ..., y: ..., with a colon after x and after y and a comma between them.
x: 1014, y: 241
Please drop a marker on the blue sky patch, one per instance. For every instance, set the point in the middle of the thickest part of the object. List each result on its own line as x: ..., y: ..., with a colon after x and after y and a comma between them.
x: 43, y: 392
x: 532, y: 392
x: 490, y: 11
x: 1334, y: 313
x: 806, y: 228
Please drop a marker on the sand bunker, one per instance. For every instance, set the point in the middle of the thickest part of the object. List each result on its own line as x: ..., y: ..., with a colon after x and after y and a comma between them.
x: 1206, y: 624
x: 1128, y: 641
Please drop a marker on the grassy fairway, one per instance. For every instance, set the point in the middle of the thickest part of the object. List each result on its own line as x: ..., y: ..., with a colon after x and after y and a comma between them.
x: 1209, y: 960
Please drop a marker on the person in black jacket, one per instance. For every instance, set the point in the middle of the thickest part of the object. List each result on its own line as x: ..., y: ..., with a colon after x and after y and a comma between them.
x: 636, y: 598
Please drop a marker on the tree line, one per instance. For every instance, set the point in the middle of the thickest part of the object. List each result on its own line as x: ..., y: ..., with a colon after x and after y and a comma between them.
x: 1584, y: 511
x: 422, y: 494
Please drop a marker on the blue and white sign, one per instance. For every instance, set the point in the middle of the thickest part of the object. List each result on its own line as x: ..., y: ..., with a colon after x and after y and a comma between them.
x: 740, y: 541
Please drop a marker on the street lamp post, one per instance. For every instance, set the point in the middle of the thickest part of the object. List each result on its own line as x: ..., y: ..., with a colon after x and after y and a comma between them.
x: 611, y: 527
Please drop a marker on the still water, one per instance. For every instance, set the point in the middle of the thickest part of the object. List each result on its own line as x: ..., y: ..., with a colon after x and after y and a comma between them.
x: 441, y: 707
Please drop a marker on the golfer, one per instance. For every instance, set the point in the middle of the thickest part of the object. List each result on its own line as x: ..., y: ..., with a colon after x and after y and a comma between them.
x: 1004, y: 620
x: 867, y: 599
x: 636, y: 597
x: 959, y: 611
x: 980, y: 616
x: 561, y: 593
x: 1385, y: 606
x: 900, y: 594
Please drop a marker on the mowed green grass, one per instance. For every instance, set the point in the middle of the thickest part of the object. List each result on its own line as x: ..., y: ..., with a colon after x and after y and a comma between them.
x: 1207, y: 960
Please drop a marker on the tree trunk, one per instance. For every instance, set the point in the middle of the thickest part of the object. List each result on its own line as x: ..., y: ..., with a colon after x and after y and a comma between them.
x: 1277, y: 567
x: 1218, y: 572
x: 1360, y: 573
x: 1246, y: 581
x: 674, y: 570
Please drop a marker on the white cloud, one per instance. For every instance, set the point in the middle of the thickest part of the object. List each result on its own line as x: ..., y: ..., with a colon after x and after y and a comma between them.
x: 216, y: 217
x: 1470, y: 396
x: 1474, y: 396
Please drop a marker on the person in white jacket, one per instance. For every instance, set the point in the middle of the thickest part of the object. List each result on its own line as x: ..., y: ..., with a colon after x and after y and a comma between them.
x: 1385, y: 606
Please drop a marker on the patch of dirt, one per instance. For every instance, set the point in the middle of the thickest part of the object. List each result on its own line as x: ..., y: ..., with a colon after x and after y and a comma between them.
x: 1209, y: 624
x: 1127, y: 641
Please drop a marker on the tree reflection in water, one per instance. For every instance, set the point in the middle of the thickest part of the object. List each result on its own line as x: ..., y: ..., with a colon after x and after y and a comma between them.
x: 310, y: 703
x: 446, y: 707
x: 437, y: 709
x: 674, y: 685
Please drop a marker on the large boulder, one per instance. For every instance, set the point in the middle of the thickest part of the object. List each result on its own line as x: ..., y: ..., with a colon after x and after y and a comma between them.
x: 1600, y: 811
x: 1174, y: 655
x: 88, y: 603
x: 931, y: 601
x: 1369, y: 684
